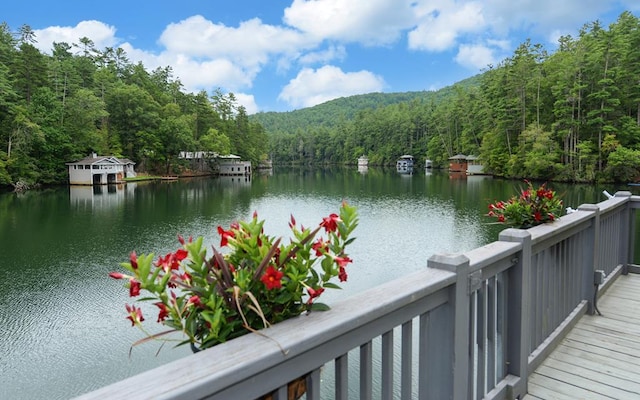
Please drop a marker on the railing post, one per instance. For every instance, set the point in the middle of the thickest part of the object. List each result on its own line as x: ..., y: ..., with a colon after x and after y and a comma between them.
x: 519, y: 302
x: 626, y: 247
x: 632, y: 232
x: 449, y: 379
x: 591, y: 253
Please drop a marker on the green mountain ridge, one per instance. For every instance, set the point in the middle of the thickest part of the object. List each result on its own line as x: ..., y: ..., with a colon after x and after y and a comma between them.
x: 331, y: 113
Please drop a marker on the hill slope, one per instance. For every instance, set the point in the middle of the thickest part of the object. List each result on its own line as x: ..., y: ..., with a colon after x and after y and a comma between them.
x: 330, y: 113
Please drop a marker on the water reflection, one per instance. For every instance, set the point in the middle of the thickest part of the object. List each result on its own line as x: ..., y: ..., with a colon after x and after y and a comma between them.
x: 99, y: 196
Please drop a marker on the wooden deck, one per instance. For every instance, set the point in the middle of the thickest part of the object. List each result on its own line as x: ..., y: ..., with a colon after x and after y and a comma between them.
x: 600, y: 357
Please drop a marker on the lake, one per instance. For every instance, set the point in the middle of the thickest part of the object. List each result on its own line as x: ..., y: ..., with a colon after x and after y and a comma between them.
x: 62, y: 322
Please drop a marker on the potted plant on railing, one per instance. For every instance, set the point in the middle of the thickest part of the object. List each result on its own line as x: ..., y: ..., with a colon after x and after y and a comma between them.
x: 252, y: 282
x: 531, y: 207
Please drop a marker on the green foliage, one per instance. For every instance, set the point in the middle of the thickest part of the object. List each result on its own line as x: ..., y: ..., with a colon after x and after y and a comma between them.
x: 530, y: 207
x: 623, y: 165
x: 259, y: 281
x: 556, y: 116
x: 536, y: 115
x: 60, y: 107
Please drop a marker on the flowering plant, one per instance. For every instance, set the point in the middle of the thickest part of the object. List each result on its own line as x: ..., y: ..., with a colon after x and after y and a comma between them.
x: 259, y: 281
x: 533, y: 206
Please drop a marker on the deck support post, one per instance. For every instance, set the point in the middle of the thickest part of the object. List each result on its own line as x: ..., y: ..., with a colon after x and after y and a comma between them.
x: 626, y: 246
x: 455, y: 384
x: 591, y: 255
x: 519, y: 303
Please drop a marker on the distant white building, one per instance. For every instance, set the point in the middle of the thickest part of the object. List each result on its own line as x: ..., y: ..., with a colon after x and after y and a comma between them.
x: 199, y: 160
x: 233, y: 165
x: 100, y: 170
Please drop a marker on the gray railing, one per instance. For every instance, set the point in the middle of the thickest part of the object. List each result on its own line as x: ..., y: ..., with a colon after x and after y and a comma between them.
x: 471, y: 325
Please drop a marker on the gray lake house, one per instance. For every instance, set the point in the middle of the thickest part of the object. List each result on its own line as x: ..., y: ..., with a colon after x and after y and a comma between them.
x: 100, y: 170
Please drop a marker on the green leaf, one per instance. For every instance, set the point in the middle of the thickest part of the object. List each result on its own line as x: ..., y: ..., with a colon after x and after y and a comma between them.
x: 320, y: 307
x: 331, y: 285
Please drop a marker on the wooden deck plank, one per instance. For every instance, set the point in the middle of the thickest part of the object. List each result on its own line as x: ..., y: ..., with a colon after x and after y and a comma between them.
x: 608, y: 373
x: 543, y: 393
x: 599, y: 346
x: 579, y: 377
x: 598, y: 357
x: 560, y: 389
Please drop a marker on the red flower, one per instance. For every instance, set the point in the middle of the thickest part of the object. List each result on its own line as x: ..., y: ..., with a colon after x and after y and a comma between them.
x: 171, y: 261
x: 134, y: 287
x: 164, y: 311
x: 292, y: 222
x: 116, y: 275
x: 501, y: 218
x: 537, y: 216
x: 343, y: 261
x: 551, y: 217
x: 135, y: 314
x: 224, y: 236
x: 343, y: 274
x: 182, y: 241
x: 133, y: 258
x: 185, y: 277
x: 181, y: 254
x: 195, y: 300
x: 320, y: 246
x: 313, y: 293
x: 330, y: 223
x: 272, y: 278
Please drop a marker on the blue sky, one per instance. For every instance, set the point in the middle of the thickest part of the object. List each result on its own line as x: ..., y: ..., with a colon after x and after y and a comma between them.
x: 281, y: 55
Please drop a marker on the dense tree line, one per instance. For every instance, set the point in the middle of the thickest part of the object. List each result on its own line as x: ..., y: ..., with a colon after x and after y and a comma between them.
x: 573, y: 115
x: 62, y: 106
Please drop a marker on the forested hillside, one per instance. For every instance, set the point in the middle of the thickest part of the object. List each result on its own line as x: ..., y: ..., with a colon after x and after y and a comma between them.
x: 334, y: 112
x: 571, y: 115
x: 61, y: 107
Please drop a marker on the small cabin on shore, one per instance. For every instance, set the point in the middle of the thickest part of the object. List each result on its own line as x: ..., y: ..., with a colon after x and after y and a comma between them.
x: 100, y: 170
x: 404, y: 165
x: 233, y: 165
x: 458, y: 163
x: 363, y: 161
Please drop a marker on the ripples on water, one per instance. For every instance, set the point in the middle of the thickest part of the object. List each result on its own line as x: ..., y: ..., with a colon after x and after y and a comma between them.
x: 63, y: 322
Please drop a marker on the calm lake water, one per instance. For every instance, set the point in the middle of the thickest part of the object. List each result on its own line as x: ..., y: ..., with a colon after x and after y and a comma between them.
x: 63, y: 330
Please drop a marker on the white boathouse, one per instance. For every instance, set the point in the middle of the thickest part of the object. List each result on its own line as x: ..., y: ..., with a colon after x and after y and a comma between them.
x: 100, y: 170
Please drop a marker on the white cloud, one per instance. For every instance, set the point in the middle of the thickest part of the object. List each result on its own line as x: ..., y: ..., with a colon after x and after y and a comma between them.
x: 440, y: 27
x: 101, y: 34
x: 195, y: 74
x: 313, y: 87
x: 206, y: 55
x: 248, y: 101
x: 329, y: 54
x: 250, y: 44
x: 371, y: 22
x: 475, y: 57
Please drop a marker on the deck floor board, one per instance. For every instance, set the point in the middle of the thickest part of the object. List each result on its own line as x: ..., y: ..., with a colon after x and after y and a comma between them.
x: 600, y: 357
